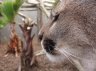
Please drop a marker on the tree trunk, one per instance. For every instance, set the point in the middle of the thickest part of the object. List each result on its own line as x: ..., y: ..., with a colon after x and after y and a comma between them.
x: 27, y: 58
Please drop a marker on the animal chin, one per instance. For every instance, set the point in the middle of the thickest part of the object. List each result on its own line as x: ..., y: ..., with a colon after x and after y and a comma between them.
x: 55, y: 58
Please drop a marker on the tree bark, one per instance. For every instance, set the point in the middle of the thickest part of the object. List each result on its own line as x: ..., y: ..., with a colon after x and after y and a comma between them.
x: 27, y: 58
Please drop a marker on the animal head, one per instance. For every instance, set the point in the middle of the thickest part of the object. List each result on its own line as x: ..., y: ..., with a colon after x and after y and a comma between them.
x: 71, y: 31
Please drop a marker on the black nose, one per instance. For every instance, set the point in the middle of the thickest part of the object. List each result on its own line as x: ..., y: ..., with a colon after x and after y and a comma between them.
x: 49, y: 45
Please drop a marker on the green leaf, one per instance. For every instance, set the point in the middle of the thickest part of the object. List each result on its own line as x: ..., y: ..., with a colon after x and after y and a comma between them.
x: 9, y: 9
x: 2, y: 22
x: 17, y: 4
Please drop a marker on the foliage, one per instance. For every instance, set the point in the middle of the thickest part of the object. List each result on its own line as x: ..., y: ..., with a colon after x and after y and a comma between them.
x: 9, y: 9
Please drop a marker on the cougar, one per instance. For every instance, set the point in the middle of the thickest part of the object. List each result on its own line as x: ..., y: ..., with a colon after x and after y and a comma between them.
x: 70, y: 35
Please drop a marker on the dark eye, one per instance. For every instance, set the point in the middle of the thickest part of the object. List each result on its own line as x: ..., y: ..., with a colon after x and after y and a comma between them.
x: 56, y: 17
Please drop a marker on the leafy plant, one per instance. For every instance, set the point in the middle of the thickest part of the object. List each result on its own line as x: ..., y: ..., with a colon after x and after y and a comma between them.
x: 8, y: 10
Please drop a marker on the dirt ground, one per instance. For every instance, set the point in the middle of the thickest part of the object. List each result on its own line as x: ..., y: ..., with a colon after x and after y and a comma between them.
x: 10, y: 63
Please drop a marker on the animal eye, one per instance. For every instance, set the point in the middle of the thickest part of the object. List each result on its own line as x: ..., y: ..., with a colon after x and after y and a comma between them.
x: 55, y: 17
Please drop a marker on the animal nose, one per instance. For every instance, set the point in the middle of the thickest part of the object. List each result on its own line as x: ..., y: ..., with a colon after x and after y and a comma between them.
x: 49, y: 45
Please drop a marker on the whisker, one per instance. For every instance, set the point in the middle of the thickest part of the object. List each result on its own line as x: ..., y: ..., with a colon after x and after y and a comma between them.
x: 67, y: 56
x: 73, y: 55
x: 68, y: 53
x: 74, y: 62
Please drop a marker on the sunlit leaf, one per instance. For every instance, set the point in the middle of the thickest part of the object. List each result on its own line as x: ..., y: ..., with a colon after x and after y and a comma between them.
x: 9, y: 9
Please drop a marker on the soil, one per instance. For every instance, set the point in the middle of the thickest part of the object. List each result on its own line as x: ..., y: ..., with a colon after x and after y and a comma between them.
x: 10, y: 63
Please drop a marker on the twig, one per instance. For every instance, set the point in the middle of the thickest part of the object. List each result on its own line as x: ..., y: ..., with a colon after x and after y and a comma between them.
x: 40, y: 52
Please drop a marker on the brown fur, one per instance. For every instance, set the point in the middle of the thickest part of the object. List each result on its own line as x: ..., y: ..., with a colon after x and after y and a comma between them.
x: 74, y: 30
